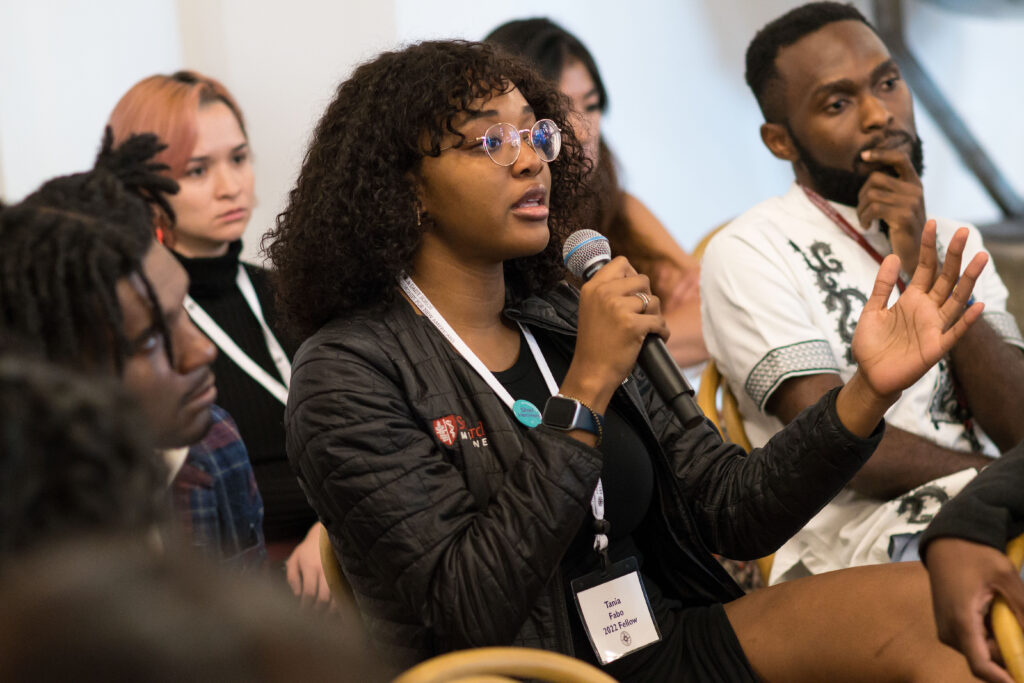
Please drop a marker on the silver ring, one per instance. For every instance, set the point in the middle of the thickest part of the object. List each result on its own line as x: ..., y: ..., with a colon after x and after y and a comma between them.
x: 644, y: 298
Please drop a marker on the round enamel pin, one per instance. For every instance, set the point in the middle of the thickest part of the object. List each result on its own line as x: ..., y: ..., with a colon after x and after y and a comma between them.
x: 526, y: 413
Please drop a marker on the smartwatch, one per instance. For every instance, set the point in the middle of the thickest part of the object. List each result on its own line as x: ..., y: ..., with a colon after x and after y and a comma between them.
x: 567, y: 414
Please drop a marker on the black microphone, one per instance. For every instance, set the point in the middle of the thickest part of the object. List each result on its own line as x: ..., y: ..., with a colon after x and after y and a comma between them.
x: 585, y: 252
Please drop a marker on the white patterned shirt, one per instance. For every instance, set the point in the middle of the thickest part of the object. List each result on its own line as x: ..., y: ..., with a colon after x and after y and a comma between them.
x: 782, y: 288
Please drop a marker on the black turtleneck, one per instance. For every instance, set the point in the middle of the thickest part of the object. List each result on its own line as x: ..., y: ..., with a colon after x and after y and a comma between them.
x: 258, y: 414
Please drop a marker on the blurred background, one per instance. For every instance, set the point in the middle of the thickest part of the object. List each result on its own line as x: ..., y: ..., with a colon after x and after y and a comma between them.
x: 682, y: 122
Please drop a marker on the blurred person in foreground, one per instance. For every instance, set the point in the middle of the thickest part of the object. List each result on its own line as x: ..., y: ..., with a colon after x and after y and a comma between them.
x: 106, y: 608
x: 74, y: 458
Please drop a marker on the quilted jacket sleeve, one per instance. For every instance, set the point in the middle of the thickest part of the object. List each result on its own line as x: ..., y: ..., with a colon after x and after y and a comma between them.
x: 989, y: 510
x: 747, y: 505
x: 383, y: 487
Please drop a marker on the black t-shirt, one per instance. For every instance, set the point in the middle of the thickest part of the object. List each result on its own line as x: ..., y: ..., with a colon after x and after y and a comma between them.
x: 628, y: 479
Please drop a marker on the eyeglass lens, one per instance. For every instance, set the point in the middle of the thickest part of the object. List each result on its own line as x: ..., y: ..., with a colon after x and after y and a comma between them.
x: 502, y: 142
x: 546, y: 139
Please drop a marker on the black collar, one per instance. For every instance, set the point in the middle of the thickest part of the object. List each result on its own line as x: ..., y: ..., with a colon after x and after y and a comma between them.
x: 212, y: 275
x: 555, y: 310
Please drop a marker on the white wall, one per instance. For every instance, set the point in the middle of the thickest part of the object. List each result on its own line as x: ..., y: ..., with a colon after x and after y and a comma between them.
x: 282, y: 62
x: 681, y: 121
x: 63, y: 65
x: 685, y: 126
x: 978, y: 62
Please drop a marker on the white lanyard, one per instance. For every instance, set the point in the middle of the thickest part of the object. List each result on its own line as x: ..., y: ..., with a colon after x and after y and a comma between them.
x: 434, y: 316
x: 226, y: 344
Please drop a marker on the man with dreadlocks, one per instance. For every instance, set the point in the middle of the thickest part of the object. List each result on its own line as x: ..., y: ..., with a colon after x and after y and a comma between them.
x: 84, y: 283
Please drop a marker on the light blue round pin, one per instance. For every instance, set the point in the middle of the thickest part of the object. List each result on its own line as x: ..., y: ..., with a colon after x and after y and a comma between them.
x: 526, y: 413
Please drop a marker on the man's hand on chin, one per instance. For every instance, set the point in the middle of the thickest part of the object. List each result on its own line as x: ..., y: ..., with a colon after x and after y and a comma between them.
x: 896, y: 199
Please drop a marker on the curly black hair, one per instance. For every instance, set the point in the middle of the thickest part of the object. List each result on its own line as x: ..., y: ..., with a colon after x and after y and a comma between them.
x: 67, y: 244
x: 73, y: 457
x: 782, y: 32
x: 350, y: 226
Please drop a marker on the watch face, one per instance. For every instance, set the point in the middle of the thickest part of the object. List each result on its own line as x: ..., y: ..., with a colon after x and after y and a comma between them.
x: 560, y: 412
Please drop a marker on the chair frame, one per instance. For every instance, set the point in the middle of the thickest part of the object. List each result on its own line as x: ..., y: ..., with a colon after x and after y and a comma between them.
x: 499, y: 663
x: 1005, y: 626
x: 341, y: 591
x: 711, y: 381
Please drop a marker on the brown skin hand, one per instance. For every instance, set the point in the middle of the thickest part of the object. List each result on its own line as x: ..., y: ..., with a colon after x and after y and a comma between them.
x: 965, y: 578
x: 902, y: 460
x: 894, y: 194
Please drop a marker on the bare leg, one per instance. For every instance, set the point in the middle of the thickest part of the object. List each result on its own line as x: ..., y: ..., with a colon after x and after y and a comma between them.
x: 862, y: 624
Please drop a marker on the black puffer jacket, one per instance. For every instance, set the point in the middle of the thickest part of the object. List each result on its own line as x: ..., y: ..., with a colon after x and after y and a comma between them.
x: 989, y: 510
x: 452, y: 538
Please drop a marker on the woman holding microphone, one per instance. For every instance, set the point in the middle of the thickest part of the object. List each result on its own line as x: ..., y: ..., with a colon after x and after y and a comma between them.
x: 472, y: 433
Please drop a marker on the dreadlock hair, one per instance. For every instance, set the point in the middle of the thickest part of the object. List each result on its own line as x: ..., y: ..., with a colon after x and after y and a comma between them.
x: 73, y: 457
x: 783, y: 32
x: 352, y: 225
x: 66, y: 246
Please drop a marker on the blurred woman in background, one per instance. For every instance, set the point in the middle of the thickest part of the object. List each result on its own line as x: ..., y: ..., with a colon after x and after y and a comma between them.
x: 631, y: 228
x: 208, y: 154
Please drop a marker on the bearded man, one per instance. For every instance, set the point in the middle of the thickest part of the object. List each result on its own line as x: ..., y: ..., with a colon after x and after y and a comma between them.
x: 782, y: 287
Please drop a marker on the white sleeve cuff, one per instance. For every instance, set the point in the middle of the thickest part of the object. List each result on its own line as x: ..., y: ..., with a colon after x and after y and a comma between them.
x: 793, y: 360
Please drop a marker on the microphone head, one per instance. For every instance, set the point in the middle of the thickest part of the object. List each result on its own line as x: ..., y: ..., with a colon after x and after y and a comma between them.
x: 585, y: 249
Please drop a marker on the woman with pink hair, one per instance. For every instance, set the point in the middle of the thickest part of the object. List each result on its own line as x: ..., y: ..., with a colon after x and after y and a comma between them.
x: 208, y: 154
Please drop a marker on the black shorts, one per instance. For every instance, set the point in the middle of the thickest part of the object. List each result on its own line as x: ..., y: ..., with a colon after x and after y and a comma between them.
x: 697, y: 644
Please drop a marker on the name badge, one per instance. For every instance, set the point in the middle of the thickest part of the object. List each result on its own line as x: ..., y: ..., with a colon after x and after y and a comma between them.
x: 615, y: 611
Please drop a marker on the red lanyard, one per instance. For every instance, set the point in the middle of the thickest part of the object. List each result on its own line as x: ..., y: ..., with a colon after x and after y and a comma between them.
x: 845, y: 226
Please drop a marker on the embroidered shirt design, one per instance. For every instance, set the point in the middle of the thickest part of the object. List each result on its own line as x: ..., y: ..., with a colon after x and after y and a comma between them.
x: 945, y: 408
x: 847, y: 302
x: 916, y: 503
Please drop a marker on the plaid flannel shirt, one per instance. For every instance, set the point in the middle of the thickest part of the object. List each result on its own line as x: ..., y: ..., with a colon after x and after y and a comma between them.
x: 216, y: 502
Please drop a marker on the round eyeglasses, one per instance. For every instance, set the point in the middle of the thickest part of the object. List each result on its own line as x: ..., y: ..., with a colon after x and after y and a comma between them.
x: 503, y: 141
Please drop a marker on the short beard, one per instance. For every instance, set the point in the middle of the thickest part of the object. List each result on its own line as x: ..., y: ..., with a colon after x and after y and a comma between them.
x: 842, y: 186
